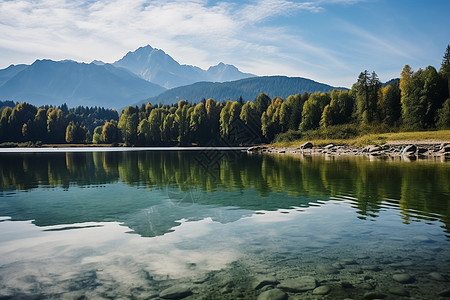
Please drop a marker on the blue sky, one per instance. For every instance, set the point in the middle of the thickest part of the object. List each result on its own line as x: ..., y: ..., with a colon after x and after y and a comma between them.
x: 329, y: 41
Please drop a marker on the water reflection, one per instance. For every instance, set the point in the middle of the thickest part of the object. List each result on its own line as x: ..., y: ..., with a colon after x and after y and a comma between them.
x: 167, y: 186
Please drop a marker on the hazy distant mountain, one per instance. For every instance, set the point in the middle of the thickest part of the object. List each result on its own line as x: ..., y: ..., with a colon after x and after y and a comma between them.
x: 10, y: 72
x: 98, y: 62
x: 158, y: 67
x: 50, y: 82
x: 249, y: 89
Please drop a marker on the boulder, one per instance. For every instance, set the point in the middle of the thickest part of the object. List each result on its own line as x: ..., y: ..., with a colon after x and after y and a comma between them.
x: 403, y: 278
x: 374, y: 148
x: 411, y: 149
x: 259, y: 282
x: 421, y: 151
x: 307, y: 145
x: 300, y: 284
x: 321, y: 290
x: 176, y: 292
x: 256, y: 148
x: 274, y: 294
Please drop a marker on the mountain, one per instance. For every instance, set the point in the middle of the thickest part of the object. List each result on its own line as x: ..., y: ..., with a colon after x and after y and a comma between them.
x: 48, y: 82
x: 10, y: 72
x: 158, y: 67
x: 394, y: 81
x: 248, y: 88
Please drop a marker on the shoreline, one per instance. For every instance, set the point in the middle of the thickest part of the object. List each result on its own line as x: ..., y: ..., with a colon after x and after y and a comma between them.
x: 403, y: 149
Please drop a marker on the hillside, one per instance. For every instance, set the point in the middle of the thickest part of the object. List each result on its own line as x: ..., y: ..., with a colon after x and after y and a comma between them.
x: 248, y: 88
x: 48, y: 82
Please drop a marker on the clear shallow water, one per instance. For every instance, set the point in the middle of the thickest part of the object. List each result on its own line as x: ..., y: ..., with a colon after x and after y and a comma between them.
x: 131, y: 224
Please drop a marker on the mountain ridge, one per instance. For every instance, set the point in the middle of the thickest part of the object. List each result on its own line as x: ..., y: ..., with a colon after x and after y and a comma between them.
x: 158, y: 67
x: 247, y: 88
x: 48, y: 82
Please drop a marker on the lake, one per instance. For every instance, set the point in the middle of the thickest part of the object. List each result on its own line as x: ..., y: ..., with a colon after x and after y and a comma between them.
x: 210, y: 224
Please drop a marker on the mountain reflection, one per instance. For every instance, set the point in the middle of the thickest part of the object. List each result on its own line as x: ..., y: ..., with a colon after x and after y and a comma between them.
x: 196, y: 183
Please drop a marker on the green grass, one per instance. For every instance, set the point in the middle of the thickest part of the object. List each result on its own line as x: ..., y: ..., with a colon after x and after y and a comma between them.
x: 368, y: 139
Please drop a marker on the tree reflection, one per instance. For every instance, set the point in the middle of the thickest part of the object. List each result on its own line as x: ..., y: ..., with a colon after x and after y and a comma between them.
x: 419, y: 189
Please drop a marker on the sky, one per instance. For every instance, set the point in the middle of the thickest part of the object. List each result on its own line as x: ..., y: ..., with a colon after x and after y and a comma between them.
x: 330, y: 41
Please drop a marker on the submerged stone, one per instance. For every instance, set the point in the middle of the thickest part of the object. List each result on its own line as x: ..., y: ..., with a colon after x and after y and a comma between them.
x: 324, y: 269
x: 374, y: 295
x: 300, y: 284
x: 176, y: 292
x: 348, y: 261
x: 399, y: 291
x: 321, y: 290
x: 371, y: 268
x: 445, y: 293
x: 437, y: 276
x: 275, y: 294
x: 259, y: 282
x: 403, y: 278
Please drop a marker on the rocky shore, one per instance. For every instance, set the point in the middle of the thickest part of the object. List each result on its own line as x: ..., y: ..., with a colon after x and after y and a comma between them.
x: 404, y: 149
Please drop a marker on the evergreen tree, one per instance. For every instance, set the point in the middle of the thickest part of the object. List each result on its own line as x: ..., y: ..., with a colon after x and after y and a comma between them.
x: 443, y: 116
x: 366, y: 94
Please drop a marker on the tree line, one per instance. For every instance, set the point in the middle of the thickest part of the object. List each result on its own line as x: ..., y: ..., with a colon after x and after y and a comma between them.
x: 27, y: 123
x: 419, y: 100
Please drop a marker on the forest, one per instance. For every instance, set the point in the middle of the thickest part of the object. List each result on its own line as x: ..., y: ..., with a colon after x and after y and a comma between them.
x: 419, y: 100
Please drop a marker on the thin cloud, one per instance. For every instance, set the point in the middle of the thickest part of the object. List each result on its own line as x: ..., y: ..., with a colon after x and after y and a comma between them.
x: 196, y: 32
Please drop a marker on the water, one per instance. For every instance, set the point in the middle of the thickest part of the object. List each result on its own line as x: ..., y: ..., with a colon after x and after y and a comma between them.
x: 220, y: 225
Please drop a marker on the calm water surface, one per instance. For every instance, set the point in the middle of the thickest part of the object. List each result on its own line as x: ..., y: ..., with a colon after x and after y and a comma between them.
x: 221, y: 225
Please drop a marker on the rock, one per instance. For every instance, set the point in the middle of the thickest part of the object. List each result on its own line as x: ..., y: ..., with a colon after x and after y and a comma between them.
x: 407, y: 263
x: 176, y: 292
x: 329, y: 146
x: 337, y: 265
x: 274, y: 294
x: 327, y: 270
x: 374, y: 295
x: 445, y: 293
x: 282, y: 151
x: 355, y: 271
x: 321, y: 290
x: 307, y: 145
x: 346, y: 285
x: 256, y: 148
x: 362, y: 256
x: 348, y: 261
x: 403, y: 278
x: 437, y: 276
x: 366, y: 286
x: 300, y: 284
x: 399, y: 291
x: 445, y: 148
x: 259, y: 282
x: 422, y: 151
x: 409, y: 149
x: 371, y: 268
x: 374, y: 148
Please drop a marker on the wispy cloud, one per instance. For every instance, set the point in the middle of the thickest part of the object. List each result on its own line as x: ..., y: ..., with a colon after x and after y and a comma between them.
x: 260, y: 36
x: 105, y: 28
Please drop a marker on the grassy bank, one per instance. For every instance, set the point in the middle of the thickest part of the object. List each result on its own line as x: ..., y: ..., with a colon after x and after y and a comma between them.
x: 370, y: 139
